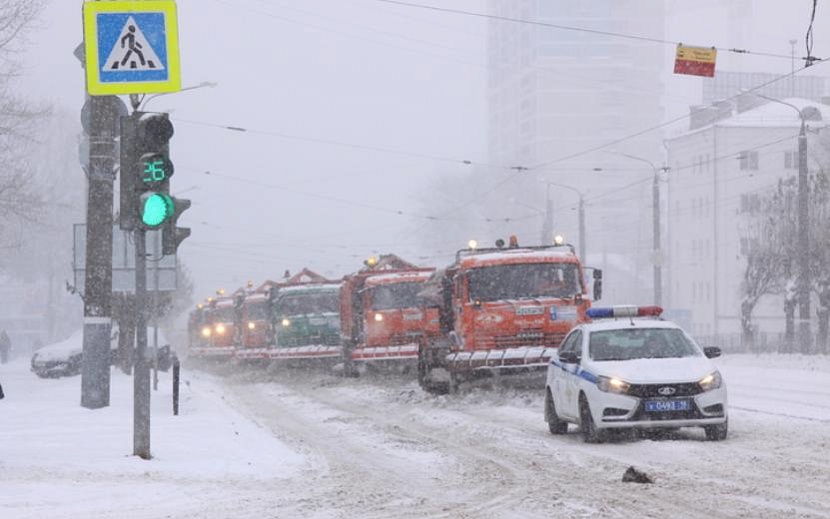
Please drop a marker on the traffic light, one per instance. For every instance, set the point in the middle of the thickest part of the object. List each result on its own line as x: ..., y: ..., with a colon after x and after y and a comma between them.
x: 153, y: 170
x: 145, y: 170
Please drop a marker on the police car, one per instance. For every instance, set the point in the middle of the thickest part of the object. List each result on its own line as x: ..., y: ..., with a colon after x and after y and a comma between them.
x: 622, y: 371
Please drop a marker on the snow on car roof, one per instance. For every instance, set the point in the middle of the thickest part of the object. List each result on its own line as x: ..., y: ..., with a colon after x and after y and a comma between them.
x: 621, y: 323
x: 516, y: 256
x: 398, y: 277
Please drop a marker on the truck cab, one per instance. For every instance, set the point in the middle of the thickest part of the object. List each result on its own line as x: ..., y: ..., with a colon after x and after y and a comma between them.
x: 503, y: 310
x: 306, y: 315
x: 256, y: 330
x: 382, y: 315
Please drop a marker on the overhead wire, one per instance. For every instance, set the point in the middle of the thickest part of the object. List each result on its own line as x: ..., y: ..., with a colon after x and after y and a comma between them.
x: 587, y: 30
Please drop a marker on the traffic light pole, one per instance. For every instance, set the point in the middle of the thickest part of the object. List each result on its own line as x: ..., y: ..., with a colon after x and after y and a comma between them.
x: 95, y: 373
x: 141, y: 372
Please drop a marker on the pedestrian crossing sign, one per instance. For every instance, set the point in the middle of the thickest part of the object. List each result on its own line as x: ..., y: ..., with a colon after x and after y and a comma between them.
x: 132, y: 47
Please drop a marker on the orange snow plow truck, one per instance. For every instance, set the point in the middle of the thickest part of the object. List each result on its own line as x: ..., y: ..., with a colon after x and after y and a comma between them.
x: 382, y: 317
x: 503, y: 311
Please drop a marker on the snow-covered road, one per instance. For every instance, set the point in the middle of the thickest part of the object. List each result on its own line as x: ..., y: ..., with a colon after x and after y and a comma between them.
x: 320, y: 446
x: 384, y: 448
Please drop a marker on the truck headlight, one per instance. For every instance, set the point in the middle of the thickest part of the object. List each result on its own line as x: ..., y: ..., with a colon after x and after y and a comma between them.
x: 206, y: 332
x: 251, y: 325
x: 613, y: 385
x: 379, y: 317
x: 286, y: 323
x: 710, y: 381
x: 220, y: 329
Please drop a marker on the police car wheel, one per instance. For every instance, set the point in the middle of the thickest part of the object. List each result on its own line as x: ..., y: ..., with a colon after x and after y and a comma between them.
x: 716, y: 433
x: 555, y: 424
x: 590, y: 433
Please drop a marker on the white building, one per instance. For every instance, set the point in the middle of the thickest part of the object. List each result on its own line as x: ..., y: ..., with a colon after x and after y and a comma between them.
x: 719, y: 169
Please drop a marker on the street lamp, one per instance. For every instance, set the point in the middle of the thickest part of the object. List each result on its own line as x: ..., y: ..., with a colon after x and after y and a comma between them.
x: 803, y: 278
x: 203, y: 84
x: 547, y: 229
x: 655, y: 191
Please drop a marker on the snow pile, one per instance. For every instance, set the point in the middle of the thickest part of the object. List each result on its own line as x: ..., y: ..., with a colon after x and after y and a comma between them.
x: 59, y: 459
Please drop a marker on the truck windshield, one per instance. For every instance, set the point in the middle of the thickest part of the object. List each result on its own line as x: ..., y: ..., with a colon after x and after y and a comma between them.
x: 526, y: 281
x: 633, y: 343
x: 308, y: 303
x: 223, y: 315
x: 396, y: 296
x: 258, y: 311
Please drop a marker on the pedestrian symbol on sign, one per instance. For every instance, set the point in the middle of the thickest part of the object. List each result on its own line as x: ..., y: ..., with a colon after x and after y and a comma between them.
x: 132, y: 51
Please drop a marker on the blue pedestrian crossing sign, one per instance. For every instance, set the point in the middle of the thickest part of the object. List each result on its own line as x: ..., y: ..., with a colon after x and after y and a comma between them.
x: 132, y: 47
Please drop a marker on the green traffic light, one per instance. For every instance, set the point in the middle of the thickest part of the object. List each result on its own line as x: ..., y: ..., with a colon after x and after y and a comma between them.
x: 156, y: 209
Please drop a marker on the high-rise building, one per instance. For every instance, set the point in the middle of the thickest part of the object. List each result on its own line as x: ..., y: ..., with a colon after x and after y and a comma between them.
x: 554, y: 92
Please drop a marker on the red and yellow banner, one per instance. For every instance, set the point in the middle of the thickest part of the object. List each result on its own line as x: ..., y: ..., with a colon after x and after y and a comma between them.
x: 695, y: 61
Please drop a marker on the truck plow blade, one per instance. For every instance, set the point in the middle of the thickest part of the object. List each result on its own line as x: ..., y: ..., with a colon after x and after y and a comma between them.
x: 250, y: 353
x: 386, y: 353
x: 501, y: 360
x: 305, y: 352
x: 211, y: 352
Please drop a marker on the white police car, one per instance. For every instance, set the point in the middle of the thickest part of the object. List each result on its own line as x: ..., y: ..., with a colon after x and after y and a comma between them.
x: 633, y: 373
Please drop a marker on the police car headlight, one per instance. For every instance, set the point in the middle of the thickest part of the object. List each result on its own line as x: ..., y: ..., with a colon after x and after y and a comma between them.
x: 613, y: 385
x: 710, y: 381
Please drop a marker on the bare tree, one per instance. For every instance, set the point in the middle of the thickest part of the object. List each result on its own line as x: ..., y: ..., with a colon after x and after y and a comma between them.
x: 765, y: 267
x: 19, y: 120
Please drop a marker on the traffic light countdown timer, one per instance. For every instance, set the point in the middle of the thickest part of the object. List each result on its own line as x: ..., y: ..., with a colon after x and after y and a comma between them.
x: 145, y: 178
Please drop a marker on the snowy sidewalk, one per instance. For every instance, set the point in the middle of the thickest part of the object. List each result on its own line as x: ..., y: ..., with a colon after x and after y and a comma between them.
x: 58, y: 459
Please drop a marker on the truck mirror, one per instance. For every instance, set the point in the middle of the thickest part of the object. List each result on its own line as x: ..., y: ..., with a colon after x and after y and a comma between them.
x: 597, y: 284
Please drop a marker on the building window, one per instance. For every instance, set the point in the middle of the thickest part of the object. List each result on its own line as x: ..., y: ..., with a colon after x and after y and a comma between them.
x: 790, y: 160
x: 749, y: 160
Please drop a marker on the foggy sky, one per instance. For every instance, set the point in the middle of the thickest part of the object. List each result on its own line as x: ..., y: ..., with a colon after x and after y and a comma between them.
x: 355, y: 71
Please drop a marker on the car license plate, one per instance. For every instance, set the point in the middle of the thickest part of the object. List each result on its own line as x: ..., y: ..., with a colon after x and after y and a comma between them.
x: 659, y: 406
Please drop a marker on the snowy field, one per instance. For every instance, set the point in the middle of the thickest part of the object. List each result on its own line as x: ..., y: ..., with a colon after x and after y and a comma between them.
x: 258, y: 444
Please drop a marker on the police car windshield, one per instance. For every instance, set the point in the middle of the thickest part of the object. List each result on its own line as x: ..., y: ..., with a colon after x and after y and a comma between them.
x: 526, y: 281
x: 640, y: 343
x: 310, y: 303
x: 398, y: 295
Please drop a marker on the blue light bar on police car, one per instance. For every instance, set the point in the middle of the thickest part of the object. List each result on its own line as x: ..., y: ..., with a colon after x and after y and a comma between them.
x: 607, y: 312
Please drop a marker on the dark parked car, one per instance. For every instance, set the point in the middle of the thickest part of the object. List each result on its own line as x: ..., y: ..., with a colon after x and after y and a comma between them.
x: 64, y: 359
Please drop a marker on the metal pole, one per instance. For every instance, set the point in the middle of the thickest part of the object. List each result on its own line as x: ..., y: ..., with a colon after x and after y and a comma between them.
x: 658, y: 273
x: 582, y: 256
x: 547, y: 226
x: 95, y: 375
x: 803, y: 242
x: 141, y: 373
x: 157, y: 258
x: 176, y: 377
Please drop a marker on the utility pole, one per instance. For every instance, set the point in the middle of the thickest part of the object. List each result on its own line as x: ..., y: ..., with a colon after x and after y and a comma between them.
x: 658, y: 260
x: 803, y: 281
x: 803, y: 252
x: 582, y: 256
x: 141, y: 372
x: 547, y: 226
x: 95, y: 374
